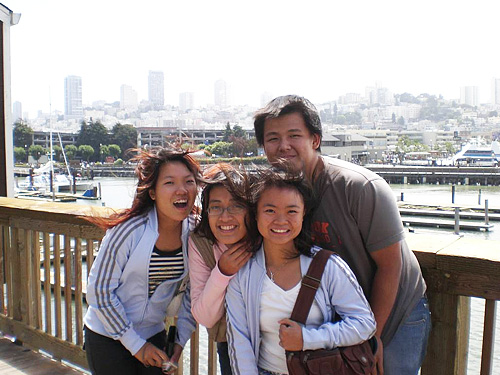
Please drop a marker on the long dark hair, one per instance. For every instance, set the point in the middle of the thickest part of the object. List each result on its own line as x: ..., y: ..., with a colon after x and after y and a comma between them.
x: 286, y: 178
x: 237, y: 182
x: 148, y: 167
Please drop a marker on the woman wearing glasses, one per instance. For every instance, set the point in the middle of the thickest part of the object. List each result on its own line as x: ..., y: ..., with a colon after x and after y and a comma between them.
x: 218, y: 248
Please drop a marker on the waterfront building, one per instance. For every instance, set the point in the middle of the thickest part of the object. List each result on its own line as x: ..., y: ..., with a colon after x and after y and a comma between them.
x: 128, y: 98
x: 469, y: 95
x: 156, y: 88
x: 346, y: 145
x: 73, y: 107
x: 160, y: 136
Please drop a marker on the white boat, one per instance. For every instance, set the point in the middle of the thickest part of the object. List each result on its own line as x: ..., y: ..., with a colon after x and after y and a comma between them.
x: 62, y: 183
x: 477, y: 154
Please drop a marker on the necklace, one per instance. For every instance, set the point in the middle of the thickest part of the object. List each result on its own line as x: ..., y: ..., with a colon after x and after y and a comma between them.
x: 272, y: 274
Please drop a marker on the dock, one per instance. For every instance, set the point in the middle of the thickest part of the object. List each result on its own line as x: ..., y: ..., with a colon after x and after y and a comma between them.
x: 448, y: 214
x: 16, y: 359
x: 446, y: 224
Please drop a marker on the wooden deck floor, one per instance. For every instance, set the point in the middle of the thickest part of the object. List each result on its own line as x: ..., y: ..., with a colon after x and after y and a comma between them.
x: 15, y: 359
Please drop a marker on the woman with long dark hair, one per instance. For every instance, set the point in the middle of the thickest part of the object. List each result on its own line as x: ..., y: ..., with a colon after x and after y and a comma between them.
x: 261, y: 296
x: 140, y: 269
x: 218, y: 248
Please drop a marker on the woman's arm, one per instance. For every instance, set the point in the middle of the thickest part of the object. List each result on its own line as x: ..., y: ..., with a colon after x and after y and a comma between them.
x: 208, y: 288
x: 104, y: 279
x: 346, y: 298
x: 185, y: 320
x: 241, y: 352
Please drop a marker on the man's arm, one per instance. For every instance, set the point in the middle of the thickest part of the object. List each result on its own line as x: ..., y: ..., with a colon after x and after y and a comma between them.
x: 385, y: 283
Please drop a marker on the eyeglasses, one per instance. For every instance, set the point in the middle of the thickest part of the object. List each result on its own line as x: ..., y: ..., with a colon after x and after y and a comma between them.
x: 231, y: 210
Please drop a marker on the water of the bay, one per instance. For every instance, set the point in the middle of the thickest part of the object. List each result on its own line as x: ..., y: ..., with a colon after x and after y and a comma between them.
x: 119, y: 193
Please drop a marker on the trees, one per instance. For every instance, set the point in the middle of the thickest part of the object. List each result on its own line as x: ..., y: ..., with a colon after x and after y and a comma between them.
x: 57, y: 152
x: 19, y: 154
x: 239, y: 132
x: 36, y: 151
x: 104, y: 152
x: 70, y: 151
x: 114, y: 150
x: 125, y: 136
x: 86, y: 151
x: 23, y: 134
x: 220, y: 148
x: 227, y: 133
x: 93, y: 134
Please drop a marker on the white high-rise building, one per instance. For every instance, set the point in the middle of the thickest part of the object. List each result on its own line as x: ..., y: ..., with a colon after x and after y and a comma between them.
x: 128, y: 97
x: 220, y: 93
x: 73, y: 107
x: 469, y: 95
x: 17, y: 111
x: 495, y: 91
x: 156, y: 88
x: 186, y: 101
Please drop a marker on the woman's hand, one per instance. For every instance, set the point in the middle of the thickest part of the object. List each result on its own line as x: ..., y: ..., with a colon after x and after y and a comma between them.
x: 150, y: 355
x: 234, y: 258
x: 379, y: 357
x: 290, y: 335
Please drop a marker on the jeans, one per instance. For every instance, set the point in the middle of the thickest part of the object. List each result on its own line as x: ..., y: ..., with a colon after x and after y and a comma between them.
x: 406, y: 351
x: 107, y: 356
x: 225, y: 365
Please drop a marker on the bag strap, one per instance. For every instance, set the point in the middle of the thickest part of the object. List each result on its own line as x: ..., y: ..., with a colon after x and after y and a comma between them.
x: 205, y: 248
x: 310, y: 284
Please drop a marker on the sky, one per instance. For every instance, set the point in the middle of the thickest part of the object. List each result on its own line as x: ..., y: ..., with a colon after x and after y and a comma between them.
x: 317, y: 49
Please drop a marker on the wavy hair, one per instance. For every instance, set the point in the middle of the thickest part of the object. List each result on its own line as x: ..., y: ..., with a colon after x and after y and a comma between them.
x: 148, y: 167
x: 238, y: 183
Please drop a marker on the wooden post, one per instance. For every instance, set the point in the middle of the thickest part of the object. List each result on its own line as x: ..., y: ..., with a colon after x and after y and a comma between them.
x: 195, y: 351
x: 448, y: 341
x: 488, y: 337
x: 212, y: 357
x: 486, y: 218
x: 17, y: 282
x: 457, y: 220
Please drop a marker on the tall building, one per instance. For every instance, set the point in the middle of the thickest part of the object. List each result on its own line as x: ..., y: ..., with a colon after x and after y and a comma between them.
x: 186, y: 101
x: 17, y: 111
x: 128, y: 97
x: 495, y: 91
x: 156, y: 88
x: 220, y: 93
x: 73, y: 107
x: 469, y: 95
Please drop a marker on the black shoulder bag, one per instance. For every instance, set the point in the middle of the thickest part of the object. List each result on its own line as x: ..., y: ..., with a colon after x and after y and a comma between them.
x: 350, y: 360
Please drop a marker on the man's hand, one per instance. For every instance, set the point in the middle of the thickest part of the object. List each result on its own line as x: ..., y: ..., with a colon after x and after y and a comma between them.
x: 234, y: 258
x: 150, y: 355
x: 290, y: 335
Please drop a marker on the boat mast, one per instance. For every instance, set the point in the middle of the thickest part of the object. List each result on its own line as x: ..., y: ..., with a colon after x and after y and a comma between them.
x: 51, y: 151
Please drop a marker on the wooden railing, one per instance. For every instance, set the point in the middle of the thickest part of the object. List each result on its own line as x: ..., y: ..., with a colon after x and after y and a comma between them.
x: 45, y: 248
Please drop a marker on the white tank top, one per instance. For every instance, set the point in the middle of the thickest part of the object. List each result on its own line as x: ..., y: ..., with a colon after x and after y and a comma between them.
x: 277, y: 304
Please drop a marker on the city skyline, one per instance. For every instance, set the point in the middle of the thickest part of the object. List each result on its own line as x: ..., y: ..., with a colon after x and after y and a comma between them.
x: 320, y: 51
